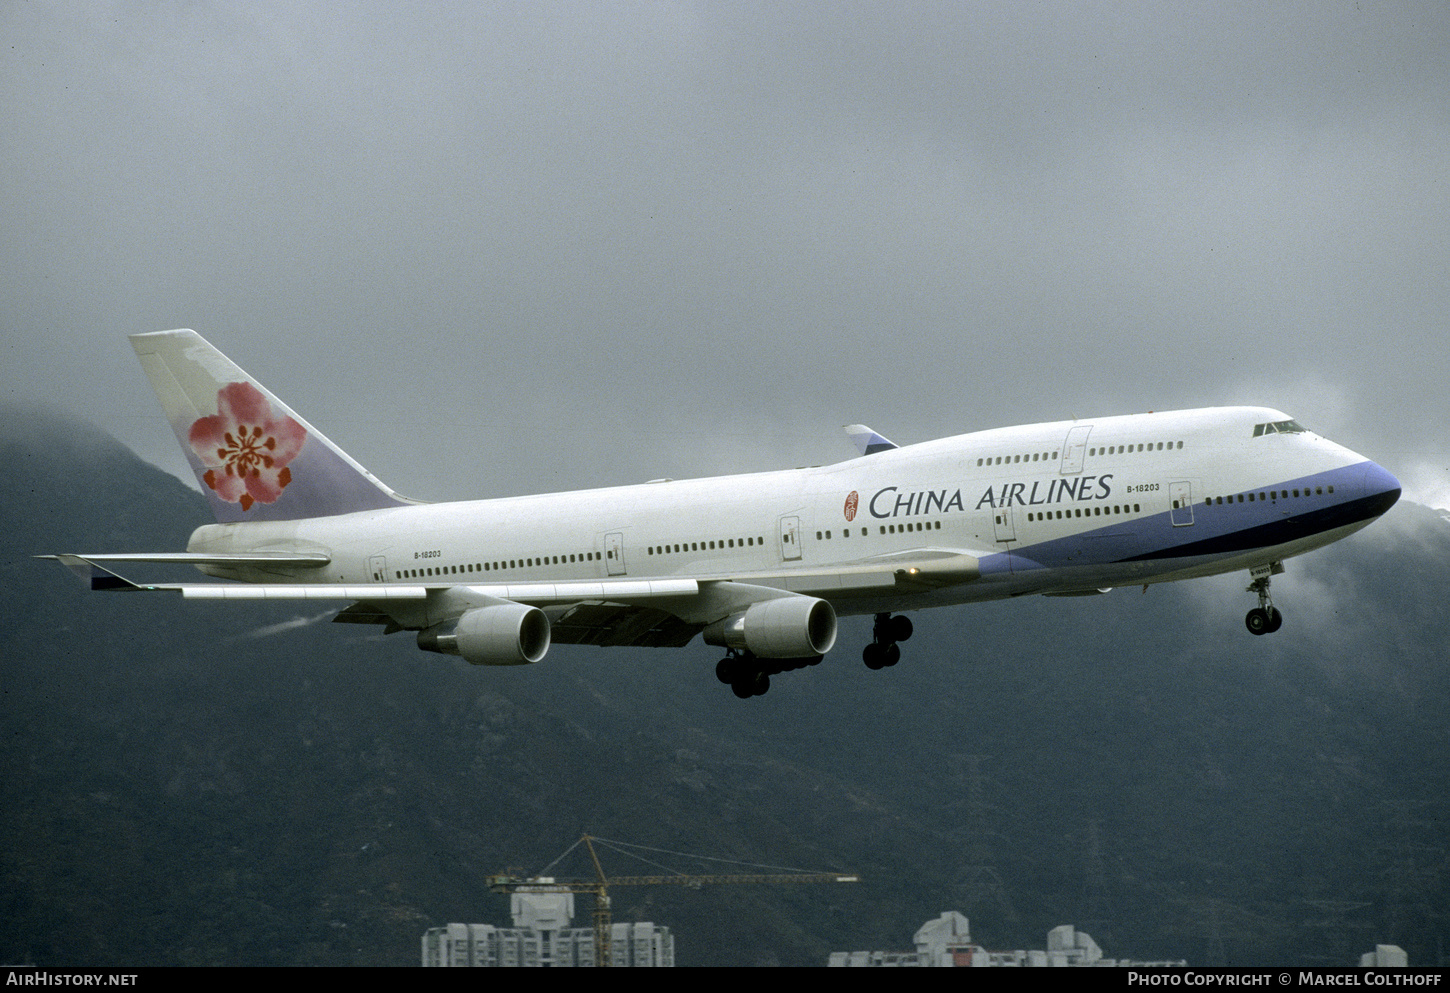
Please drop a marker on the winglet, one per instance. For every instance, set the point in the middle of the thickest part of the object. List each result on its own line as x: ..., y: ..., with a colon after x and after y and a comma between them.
x: 868, y: 442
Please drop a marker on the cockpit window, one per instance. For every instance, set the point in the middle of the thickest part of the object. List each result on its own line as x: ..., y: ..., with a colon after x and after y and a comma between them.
x: 1279, y: 427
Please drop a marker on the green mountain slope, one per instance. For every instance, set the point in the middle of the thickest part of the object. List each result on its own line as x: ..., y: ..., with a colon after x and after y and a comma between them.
x: 190, y: 783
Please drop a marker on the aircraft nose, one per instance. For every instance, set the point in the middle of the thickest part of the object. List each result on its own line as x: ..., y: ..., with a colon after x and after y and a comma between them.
x: 1380, y: 488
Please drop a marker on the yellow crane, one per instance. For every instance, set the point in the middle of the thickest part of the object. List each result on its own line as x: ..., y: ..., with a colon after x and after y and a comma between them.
x: 599, y: 886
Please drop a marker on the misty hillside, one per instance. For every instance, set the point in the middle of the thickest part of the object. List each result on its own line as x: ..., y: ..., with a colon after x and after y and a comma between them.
x: 201, y: 783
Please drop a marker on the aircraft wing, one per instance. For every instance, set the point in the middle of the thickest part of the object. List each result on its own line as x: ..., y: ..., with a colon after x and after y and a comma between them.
x: 918, y: 568
x: 660, y: 612
x: 868, y: 442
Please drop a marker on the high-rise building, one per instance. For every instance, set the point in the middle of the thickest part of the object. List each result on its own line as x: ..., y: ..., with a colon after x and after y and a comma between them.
x: 542, y: 938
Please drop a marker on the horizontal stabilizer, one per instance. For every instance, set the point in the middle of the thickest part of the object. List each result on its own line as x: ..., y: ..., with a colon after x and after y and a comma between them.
x: 868, y: 442
x: 205, y: 558
x: 91, y: 570
x: 95, y: 576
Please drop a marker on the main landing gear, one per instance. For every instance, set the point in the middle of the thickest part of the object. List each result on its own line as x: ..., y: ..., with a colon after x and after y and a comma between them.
x: 883, y: 650
x: 750, y: 676
x: 1265, y: 618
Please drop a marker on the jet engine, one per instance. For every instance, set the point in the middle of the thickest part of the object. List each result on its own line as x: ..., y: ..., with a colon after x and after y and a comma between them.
x: 789, y: 627
x: 499, y: 634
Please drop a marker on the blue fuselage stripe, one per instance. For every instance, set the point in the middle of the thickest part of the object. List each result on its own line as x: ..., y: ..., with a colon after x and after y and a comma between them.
x: 1218, y: 528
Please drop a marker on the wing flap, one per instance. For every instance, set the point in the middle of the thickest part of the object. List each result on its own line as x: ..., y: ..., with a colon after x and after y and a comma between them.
x: 294, y: 591
x: 612, y: 624
x: 534, y: 594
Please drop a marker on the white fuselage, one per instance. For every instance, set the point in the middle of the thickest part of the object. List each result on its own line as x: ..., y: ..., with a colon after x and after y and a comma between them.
x: 1063, y: 507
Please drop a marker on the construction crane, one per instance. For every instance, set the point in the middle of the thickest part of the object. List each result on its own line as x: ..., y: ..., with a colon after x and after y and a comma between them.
x: 599, y: 886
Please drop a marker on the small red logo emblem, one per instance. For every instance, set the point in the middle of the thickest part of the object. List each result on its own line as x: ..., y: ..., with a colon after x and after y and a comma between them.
x: 851, y: 503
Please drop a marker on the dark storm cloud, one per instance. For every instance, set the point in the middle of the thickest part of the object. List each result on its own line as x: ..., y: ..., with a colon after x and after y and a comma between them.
x: 503, y: 248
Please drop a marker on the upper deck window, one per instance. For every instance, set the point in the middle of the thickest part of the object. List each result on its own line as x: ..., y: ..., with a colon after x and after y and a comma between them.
x: 1279, y: 427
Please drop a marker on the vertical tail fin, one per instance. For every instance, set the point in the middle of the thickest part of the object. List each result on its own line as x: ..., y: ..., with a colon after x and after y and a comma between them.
x: 255, y: 458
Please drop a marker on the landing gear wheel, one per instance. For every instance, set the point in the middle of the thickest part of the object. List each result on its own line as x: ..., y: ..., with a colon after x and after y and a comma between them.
x: 901, y: 628
x: 1257, y: 621
x: 883, y: 650
x: 1276, y: 620
x: 725, y: 670
x: 1265, y: 618
x: 753, y: 683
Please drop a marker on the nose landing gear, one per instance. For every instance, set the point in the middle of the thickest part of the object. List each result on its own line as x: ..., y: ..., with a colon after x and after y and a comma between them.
x: 883, y: 650
x: 1265, y: 618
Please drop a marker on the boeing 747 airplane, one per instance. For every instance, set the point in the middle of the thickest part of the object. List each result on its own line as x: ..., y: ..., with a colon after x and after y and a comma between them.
x: 760, y: 565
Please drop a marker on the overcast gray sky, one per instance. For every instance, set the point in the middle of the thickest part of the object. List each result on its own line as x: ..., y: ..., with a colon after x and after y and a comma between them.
x: 508, y: 248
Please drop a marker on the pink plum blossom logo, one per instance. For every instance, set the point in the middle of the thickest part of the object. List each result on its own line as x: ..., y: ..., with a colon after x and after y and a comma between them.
x: 246, y: 446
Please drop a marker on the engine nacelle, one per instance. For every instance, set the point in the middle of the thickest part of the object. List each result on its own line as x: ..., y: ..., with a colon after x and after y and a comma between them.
x: 499, y: 634
x: 790, y: 627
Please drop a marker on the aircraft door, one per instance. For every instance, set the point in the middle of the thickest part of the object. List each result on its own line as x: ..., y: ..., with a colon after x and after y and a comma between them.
x: 1002, y: 521
x: 614, y: 553
x: 1180, y: 498
x: 378, y: 568
x: 790, y: 538
x: 1074, y: 448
